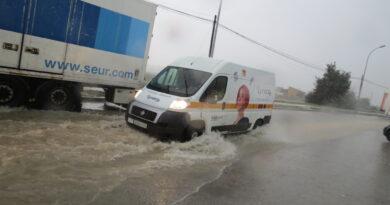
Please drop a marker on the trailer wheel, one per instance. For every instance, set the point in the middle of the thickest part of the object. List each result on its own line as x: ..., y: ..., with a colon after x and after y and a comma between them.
x: 13, y: 91
x: 258, y: 123
x: 59, y: 96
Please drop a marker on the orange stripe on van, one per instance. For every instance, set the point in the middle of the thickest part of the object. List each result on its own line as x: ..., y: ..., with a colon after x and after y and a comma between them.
x: 204, y: 105
x: 228, y: 106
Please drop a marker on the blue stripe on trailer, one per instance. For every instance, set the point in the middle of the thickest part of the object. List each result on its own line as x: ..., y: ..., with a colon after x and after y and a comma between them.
x: 84, y: 24
x: 138, y: 38
x: 121, y: 34
x: 49, y: 19
x: 77, y: 22
x: 11, y: 15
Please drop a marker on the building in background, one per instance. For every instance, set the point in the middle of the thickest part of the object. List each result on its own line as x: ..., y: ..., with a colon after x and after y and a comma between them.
x: 385, y: 105
x: 290, y: 94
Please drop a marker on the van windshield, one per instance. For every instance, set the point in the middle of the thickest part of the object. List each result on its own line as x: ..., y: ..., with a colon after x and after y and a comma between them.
x: 182, y: 82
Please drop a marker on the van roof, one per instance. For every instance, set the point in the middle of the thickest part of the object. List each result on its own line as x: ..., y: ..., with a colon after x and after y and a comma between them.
x: 212, y: 65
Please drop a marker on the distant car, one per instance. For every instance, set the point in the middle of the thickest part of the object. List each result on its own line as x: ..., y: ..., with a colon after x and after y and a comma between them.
x: 386, y: 132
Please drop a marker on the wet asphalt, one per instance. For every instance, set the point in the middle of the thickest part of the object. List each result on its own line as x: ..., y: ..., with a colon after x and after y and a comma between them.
x: 300, y: 158
x: 308, y: 158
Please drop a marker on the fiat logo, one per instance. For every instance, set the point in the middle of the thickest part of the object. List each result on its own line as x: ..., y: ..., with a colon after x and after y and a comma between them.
x: 142, y: 113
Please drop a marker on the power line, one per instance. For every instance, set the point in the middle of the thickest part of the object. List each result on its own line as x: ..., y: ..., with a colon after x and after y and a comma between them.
x: 290, y: 57
x: 370, y: 82
x: 269, y: 48
x: 182, y: 12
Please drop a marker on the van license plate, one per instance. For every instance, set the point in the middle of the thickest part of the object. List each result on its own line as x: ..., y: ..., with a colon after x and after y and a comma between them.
x: 137, y: 123
x: 140, y: 124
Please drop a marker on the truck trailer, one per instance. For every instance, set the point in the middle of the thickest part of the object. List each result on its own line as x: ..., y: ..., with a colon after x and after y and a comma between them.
x: 50, y: 49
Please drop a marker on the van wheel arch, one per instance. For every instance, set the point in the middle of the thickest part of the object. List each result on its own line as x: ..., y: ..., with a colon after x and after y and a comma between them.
x: 195, y: 129
x: 258, y: 123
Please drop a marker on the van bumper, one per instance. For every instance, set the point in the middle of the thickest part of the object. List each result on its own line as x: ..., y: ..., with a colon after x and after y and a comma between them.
x: 170, y: 124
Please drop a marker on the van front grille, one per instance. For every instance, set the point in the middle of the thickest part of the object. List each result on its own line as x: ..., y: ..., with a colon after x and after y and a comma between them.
x: 144, y: 114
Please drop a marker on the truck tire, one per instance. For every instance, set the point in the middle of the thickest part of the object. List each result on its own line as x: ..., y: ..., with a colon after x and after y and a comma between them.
x: 13, y: 91
x: 388, y: 135
x: 54, y: 95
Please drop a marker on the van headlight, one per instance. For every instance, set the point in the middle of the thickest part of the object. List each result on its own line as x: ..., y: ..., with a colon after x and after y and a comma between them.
x: 179, y: 104
x: 137, y: 94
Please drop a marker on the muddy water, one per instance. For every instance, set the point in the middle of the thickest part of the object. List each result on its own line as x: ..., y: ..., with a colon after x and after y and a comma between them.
x: 49, y: 157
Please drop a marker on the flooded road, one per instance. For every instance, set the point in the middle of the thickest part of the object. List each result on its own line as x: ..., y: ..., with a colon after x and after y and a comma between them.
x: 326, y: 158
x: 49, y: 157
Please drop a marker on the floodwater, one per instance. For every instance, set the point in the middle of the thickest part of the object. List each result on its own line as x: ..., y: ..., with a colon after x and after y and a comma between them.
x: 51, y: 157
x: 327, y: 158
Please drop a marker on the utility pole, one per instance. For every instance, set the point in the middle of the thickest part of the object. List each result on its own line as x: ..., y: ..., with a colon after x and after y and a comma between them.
x: 212, y: 42
x: 215, y: 30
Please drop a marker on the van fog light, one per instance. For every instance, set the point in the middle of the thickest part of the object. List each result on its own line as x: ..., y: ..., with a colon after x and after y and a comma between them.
x: 179, y: 104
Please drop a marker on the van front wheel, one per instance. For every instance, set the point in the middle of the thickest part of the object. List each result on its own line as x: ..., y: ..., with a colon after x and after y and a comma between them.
x: 190, y: 134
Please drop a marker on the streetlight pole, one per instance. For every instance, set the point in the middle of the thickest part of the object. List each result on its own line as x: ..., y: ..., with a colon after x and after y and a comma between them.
x: 365, y: 69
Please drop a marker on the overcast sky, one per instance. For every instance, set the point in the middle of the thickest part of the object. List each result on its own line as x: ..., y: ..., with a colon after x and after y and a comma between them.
x: 320, y: 32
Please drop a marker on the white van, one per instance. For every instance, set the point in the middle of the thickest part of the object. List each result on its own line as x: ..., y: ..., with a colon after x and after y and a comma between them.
x: 196, y: 95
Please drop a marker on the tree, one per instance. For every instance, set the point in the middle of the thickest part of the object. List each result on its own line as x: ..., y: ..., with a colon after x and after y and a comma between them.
x: 348, y: 101
x: 332, y: 88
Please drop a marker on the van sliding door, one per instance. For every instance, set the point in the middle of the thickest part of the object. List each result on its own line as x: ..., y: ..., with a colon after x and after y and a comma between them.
x: 213, y: 111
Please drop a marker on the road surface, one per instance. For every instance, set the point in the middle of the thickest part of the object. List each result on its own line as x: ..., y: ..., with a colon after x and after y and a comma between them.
x: 326, y: 159
x: 49, y: 157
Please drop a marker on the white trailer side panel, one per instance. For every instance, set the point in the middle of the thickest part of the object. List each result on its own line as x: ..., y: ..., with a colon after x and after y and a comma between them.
x: 9, y: 57
x: 102, y: 67
x: 92, y: 41
x: 35, y: 60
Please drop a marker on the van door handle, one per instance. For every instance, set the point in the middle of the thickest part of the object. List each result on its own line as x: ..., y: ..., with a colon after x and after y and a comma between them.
x: 10, y: 46
x: 223, y: 105
x: 32, y: 50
